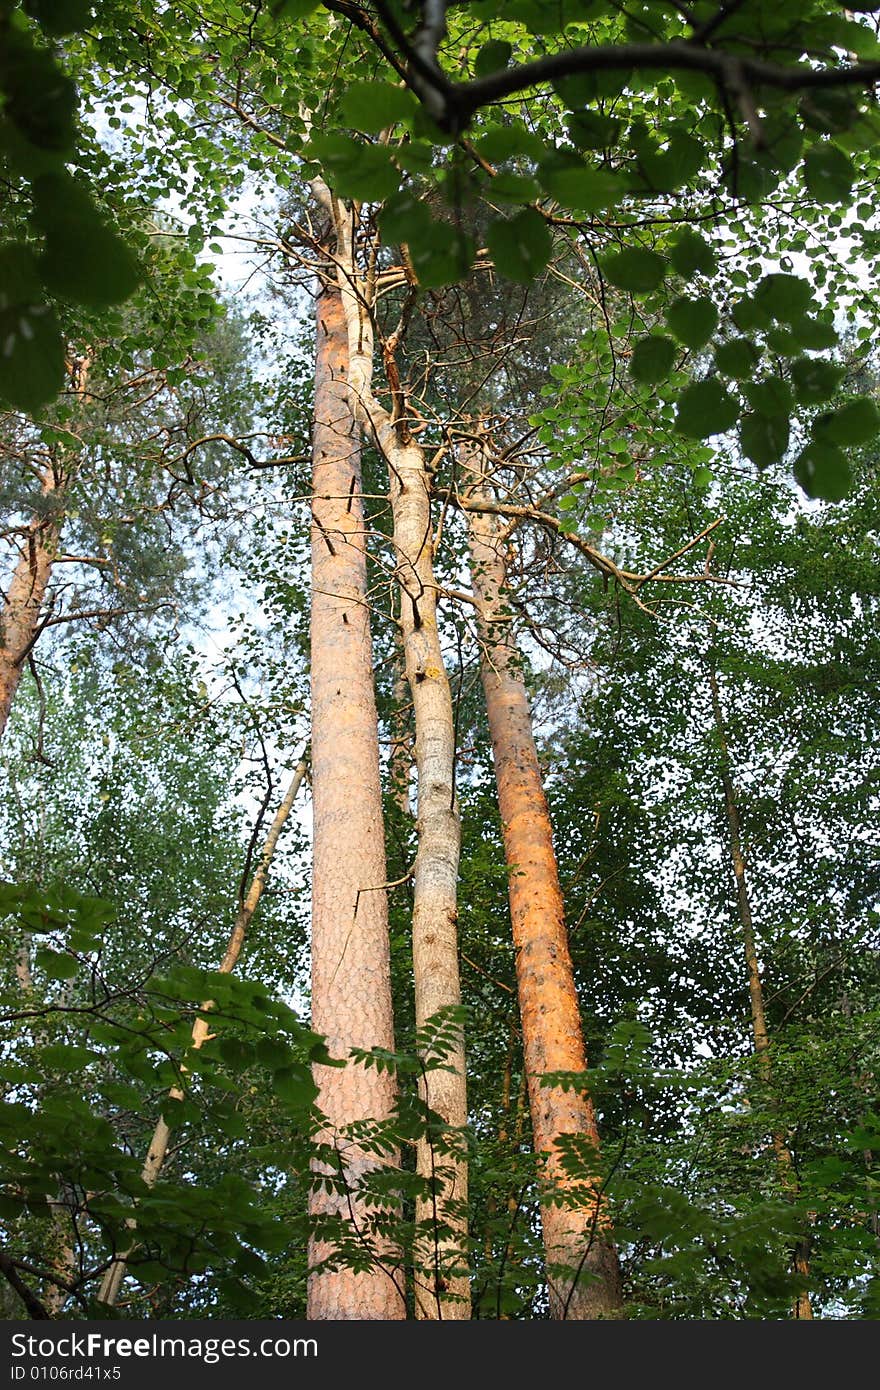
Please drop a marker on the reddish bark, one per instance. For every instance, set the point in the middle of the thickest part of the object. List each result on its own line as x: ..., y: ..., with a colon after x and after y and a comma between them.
x: 576, y: 1227
x: 24, y: 599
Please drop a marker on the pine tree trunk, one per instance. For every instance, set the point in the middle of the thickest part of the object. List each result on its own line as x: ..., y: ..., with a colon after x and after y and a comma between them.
x: 442, y: 1282
x: 351, y: 981
x: 576, y: 1230
x: 158, y: 1148
x: 24, y: 599
x: 802, y: 1308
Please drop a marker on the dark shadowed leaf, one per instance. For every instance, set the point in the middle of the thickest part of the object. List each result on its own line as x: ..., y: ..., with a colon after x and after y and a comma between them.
x: 704, y: 409
x: 764, y: 438
x: 520, y: 246
x: 653, y: 358
x: 693, y: 321
x: 635, y: 269
x: 823, y: 471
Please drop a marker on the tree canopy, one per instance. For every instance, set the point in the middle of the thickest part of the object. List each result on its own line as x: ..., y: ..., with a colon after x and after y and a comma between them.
x: 483, y: 395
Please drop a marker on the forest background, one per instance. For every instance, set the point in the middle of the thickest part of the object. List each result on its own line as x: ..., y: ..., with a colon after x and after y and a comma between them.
x: 437, y: 680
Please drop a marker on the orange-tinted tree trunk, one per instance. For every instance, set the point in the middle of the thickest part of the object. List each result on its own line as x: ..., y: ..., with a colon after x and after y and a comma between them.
x: 24, y: 599
x: 583, y: 1275
x: 351, y: 979
x: 802, y: 1307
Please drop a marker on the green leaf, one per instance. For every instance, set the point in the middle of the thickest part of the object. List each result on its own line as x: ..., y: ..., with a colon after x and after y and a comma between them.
x: 59, y: 17
x: 830, y: 111
x: 577, y: 89
x: 514, y: 188
x: 441, y: 255
x: 592, y: 130
x: 854, y: 423
x: 502, y: 142
x: 784, y: 141
x: 829, y: 173
x: 815, y: 380
x: 404, y: 217
x: 693, y: 321
x: 691, y: 254
x: 520, y: 246
x: 84, y: 259
x: 57, y: 965
x: 784, y: 297
x: 295, y: 1085
x: 237, y: 1055
x: 294, y: 9
x: 354, y: 168
x: 65, y: 1057
x: 814, y: 334
x: 823, y: 471
x: 666, y: 170
x: 749, y: 315
x: 704, y: 409
x: 492, y: 57
x: 635, y: 269
x: 580, y: 186
x: 653, y: 358
x: 764, y: 438
x: 31, y: 345
x: 737, y: 358
x: 772, y: 396
x: 39, y: 99
x: 371, y: 106
x: 273, y: 1053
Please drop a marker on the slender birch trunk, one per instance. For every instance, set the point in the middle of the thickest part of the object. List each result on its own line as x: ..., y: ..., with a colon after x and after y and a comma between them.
x: 24, y: 599
x: 158, y: 1148
x: 401, y: 739
x: 435, y: 876
x: 442, y: 1285
x: 802, y: 1307
x: 351, y: 979
x: 583, y: 1276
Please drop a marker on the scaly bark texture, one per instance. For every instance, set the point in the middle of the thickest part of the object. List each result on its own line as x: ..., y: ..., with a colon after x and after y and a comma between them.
x: 576, y: 1228
x: 351, y: 980
x: 24, y: 599
x: 158, y: 1149
x: 442, y: 1284
x: 802, y: 1308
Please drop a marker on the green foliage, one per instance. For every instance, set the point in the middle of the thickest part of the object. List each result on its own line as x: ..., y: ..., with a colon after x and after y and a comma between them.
x: 706, y: 408
x: 614, y: 217
x: 520, y: 246
x: 653, y: 358
x: 83, y: 259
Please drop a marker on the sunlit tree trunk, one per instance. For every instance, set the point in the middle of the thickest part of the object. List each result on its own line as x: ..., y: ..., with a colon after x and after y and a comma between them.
x: 802, y: 1307
x: 435, y: 875
x: 351, y: 978
x: 442, y: 1288
x: 583, y: 1275
x: 24, y: 600
x: 158, y: 1147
